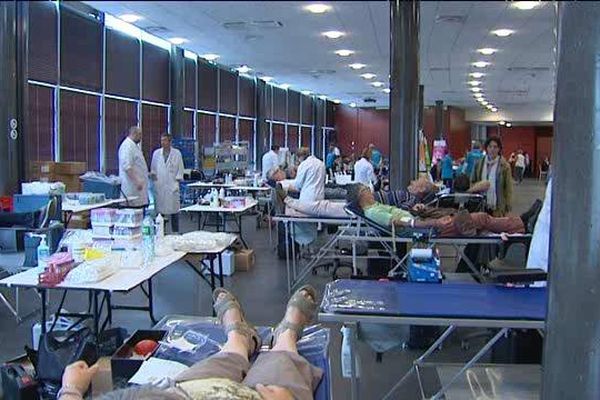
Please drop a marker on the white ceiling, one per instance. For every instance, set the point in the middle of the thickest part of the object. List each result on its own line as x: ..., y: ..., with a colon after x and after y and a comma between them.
x: 521, y: 74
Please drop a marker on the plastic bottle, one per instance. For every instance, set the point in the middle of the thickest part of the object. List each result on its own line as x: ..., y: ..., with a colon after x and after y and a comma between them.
x: 214, y: 198
x: 160, y: 226
x: 148, y: 240
x: 346, y: 359
x: 43, y: 252
x: 221, y: 194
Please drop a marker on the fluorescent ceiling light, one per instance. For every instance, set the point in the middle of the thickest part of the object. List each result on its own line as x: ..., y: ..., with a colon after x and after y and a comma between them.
x: 502, y: 32
x: 501, y: 122
x: 178, y: 40
x: 475, y: 89
x: 243, y: 69
x: 155, y: 40
x: 333, y: 34
x: 493, y: 109
x: 480, y: 99
x: 337, y: 101
x: 285, y: 86
x: 317, y: 8
x: 490, y: 106
x: 526, y: 5
x: 266, y: 78
x: 130, y: 18
x: 477, y: 95
x: 386, y: 90
x: 477, y: 75
x: 377, y: 84
x: 480, y: 64
x: 344, y: 52
x: 508, y: 124
x: 306, y: 92
x: 210, y: 56
x: 323, y: 97
x: 474, y: 83
x: 487, y: 51
x: 352, y: 104
x: 357, y: 66
x: 368, y: 75
x: 190, y: 54
x: 122, y: 26
x: 484, y: 103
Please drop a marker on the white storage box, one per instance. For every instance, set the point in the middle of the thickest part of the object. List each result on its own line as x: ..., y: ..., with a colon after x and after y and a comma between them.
x: 228, y: 258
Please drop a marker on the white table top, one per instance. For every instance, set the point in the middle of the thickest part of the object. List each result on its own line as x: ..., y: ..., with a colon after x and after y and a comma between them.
x: 229, y: 186
x: 66, y: 206
x: 200, y: 208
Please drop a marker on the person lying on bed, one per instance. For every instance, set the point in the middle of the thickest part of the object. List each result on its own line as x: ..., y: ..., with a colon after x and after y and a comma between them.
x: 278, y: 374
x: 460, y: 224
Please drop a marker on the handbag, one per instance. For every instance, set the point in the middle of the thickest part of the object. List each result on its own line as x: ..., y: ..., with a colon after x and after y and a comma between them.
x: 57, y: 349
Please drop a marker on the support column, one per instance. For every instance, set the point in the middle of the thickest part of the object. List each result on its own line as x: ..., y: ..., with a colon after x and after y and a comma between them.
x: 262, y: 128
x: 404, y: 97
x: 571, y: 351
x: 421, y: 106
x: 177, y: 83
x: 439, y: 119
x: 13, y: 93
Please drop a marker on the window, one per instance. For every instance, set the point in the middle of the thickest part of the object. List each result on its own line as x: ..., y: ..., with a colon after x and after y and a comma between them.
x: 207, y: 86
x: 205, y: 129
x: 226, y: 129
x: 292, y: 139
x: 120, y: 115
x: 228, y: 90
x: 278, y: 135
x: 122, y: 64
x: 247, y: 97
x: 293, y: 106
x: 40, y: 124
x: 189, y: 83
x: 188, y: 125
x: 43, y: 38
x: 306, y: 137
x: 155, y: 70
x: 155, y: 122
x: 80, y: 51
x: 246, y: 134
x: 79, y: 127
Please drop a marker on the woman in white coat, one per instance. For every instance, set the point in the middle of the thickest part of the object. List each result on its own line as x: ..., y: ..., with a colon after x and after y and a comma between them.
x: 167, y: 171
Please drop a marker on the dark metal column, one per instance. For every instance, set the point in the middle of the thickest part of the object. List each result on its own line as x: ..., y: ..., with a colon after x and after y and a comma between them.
x: 572, y: 347
x: 439, y: 119
x: 262, y: 136
x: 13, y: 92
x: 176, y: 89
x: 404, y: 97
x: 421, y: 106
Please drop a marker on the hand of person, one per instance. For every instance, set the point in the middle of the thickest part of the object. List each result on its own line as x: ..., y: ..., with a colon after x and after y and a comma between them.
x: 79, y: 376
x: 419, y: 207
x: 272, y: 392
x: 397, y: 221
x: 479, y: 187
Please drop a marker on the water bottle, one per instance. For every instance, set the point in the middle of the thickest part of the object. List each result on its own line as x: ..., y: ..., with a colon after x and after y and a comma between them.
x: 148, y: 240
x: 346, y: 359
x: 160, y: 226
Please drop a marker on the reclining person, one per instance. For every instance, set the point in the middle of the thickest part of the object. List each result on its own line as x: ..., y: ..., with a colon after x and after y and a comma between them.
x: 278, y: 374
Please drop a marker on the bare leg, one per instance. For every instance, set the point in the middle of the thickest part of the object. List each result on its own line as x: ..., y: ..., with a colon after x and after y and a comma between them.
x: 236, y: 342
x: 287, y: 340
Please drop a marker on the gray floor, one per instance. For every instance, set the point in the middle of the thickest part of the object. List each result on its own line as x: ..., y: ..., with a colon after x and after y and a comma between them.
x: 263, y: 293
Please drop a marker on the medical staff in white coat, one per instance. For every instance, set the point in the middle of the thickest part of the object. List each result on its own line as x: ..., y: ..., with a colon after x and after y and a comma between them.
x: 363, y: 170
x: 167, y: 170
x: 310, y: 180
x: 133, y: 169
x: 539, y: 250
x: 270, y: 160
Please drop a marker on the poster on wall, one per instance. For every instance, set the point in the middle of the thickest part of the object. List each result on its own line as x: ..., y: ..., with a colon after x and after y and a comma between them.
x: 439, y: 150
x: 424, y: 160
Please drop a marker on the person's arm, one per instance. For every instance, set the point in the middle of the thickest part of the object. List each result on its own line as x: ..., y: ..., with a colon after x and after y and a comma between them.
x: 300, y: 178
x: 154, y: 166
x: 372, y: 176
x: 180, y: 167
x: 479, y: 187
x: 76, y: 380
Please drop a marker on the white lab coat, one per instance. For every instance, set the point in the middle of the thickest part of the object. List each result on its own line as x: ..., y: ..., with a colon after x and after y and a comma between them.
x: 131, y: 156
x: 269, y: 161
x: 364, y: 172
x: 310, y: 179
x: 168, y: 174
x: 540, y: 241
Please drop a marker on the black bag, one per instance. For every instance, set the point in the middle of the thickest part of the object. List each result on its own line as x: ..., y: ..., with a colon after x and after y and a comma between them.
x: 57, y: 349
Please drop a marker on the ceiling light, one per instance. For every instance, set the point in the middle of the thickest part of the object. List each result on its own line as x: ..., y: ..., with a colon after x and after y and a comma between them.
x: 477, y: 95
x: 344, y: 53
x: 357, y: 66
x: 480, y: 99
x: 474, y: 83
x: 333, y: 34
x: 480, y: 64
x: 477, y: 75
x: 285, y: 86
x: 368, y: 75
x: 377, y: 84
x: 487, y: 51
x: 131, y: 18
x: 489, y: 106
x: 306, y: 92
x: 178, y: 40
x: 508, y: 124
x: 475, y: 89
x: 190, y: 54
x: 502, y: 32
x: 352, y: 104
x: 501, y: 122
x: 386, y: 90
x: 243, y: 69
x: 317, y: 8
x: 266, y: 78
x: 210, y: 56
x: 484, y: 103
x: 337, y: 101
x: 493, y: 109
x: 526, y: 5
x: 323, y: 97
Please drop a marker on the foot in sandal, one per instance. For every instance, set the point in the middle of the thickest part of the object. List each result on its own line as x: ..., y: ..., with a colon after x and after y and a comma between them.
x: 301, y: 311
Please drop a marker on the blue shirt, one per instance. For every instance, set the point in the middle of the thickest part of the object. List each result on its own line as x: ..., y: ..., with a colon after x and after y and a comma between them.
x: 472, y: 158
x: 376, y: 158
x: 330, y: 160
x: 447, y: 171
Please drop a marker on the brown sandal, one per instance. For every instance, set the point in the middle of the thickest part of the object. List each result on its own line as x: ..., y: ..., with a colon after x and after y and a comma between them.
x: 242, y: 327
x: 306, y: 304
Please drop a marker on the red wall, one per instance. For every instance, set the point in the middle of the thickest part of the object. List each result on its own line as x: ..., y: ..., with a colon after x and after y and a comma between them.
x: 535, y: 140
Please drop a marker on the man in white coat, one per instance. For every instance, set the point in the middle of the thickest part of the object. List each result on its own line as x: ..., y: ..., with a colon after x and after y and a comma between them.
x: 133, y: 169
x: 363, y: 170
x: 167, y: 170
x: 270, y: 160
x: 310, y: 179
x: 539, y: 250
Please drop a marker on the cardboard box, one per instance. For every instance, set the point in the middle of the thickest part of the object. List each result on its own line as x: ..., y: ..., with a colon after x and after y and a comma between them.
x: 58, y: 168
x: 80, y: 221
x: 244, y: 259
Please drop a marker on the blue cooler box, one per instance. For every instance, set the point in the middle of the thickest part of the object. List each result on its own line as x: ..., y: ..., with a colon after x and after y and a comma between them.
x: 111, y: 191
x: 424, y: 270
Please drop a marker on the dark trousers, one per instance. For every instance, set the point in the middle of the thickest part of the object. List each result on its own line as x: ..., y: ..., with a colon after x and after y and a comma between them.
x: 174, y: 223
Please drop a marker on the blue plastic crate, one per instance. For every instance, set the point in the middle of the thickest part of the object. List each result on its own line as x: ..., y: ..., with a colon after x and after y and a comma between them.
x: 111, y: 191
x: 424, y: 270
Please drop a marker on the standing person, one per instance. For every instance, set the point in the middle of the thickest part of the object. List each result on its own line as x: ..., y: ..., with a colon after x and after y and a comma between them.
x: 520, y: 166
x: 447, y: 169
x: 270, y: 160
x: 310, y: 180
x: 492, y: 174
x: 167, y: 171
x: 330, y: 160
x: 472, y: 158
x: 363, y: 169
x: 376, y: 157
x: 527, y: 164
x: 133, y: 169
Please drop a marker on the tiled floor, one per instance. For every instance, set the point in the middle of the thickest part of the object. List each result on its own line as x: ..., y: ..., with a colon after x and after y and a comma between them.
x: 263, y: 293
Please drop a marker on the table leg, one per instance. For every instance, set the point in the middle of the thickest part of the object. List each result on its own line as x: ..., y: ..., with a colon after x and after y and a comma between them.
x: 96, y: 313
x: 212, y: 273
x: 109, y: 307
x: 221, y: 280
x: 151, y: 302
x: 43, y: 294
x: 354, y: 388
x: 287, y: 256
x: 238, y: 221
x: 269, y: 222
